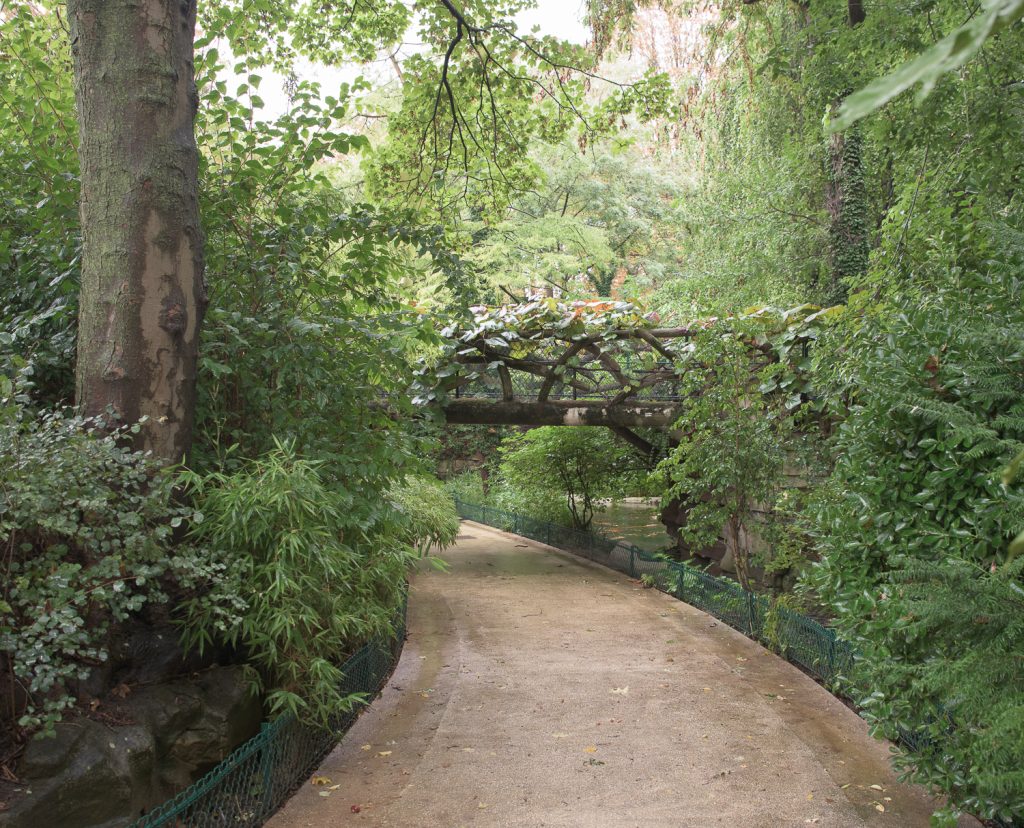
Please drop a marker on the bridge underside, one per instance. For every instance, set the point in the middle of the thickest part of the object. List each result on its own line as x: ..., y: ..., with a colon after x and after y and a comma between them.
x: 633, y: 414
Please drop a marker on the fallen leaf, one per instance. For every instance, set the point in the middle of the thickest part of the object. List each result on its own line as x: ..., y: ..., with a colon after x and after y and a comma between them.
x: 355, y: 809
x: 876, y: 787
x: 880, y: 807
x: 320, y: 780
x: 620, y: 691
x: 325, y: 793
x: 590, y: 749
x: 559, y: 735
x: 383, y: 752
x: 365, y: 747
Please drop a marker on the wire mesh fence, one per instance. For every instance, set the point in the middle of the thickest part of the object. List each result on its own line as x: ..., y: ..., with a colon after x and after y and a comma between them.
x: 801, y: 640
x: 246, y: 788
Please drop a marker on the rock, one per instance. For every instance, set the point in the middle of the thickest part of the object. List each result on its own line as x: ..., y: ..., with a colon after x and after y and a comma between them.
x: 94, y: 775
x: 86, y: 788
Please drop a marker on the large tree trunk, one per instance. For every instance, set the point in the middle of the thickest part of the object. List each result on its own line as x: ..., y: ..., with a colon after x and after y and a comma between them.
x: 143, y: 295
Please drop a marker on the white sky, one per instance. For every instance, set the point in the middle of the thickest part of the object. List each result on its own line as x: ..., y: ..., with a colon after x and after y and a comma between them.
x: 561, y: 18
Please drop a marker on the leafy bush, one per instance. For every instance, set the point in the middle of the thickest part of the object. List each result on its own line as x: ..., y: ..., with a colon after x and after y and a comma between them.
x: 303, y: 578
x: 306, y: 335
x: 467, y: 487
x: 85, y: 528
x: 39, y: 235
x: 562, y: 473
x: 915, y: 525
x: 730, y: 453
x: 428, y: 514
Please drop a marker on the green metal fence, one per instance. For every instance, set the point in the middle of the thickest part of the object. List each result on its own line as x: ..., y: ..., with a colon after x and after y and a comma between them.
x: 801, y: 640
x: 245, y: 789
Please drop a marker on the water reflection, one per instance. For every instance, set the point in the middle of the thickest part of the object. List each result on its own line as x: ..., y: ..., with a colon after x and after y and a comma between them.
x: 635, y: 521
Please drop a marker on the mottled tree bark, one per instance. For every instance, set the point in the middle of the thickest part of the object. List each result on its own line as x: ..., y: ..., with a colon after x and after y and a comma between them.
x: 143, y: 295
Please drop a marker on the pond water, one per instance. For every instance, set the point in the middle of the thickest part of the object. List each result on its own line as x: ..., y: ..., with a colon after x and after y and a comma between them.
x: 634, y: 521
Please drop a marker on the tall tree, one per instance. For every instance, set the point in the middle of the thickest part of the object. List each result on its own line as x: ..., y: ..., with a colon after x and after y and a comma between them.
x: 143, y: 295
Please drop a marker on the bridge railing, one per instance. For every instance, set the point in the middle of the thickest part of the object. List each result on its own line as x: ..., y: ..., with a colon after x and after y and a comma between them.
x: 801, y: 640
x: 576, y: 384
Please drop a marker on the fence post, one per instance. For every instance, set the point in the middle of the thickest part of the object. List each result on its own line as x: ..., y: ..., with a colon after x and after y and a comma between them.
x: 632, y: 562
x: 267, y: 769
x: 751, y: 615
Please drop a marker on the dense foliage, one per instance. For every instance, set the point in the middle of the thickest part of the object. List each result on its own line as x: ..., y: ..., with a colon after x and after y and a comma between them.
x: 427, y: 514
x: 560, y: 472
x: 698, y: 156
x: 86, y: 532
x: 39, y: 238
x: 299, y: 577
x: 914, y: 529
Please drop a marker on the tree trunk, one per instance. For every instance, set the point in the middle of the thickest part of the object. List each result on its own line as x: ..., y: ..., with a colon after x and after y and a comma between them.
x: 855, y: 12
x: 846, y: 199
x: 847, y: 202
x: 143, y: 295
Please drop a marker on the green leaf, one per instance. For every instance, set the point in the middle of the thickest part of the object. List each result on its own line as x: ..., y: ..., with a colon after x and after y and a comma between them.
x: 950, y: 53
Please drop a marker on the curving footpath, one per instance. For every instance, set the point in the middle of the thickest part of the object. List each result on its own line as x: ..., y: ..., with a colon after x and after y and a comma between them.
x: 537, y: 689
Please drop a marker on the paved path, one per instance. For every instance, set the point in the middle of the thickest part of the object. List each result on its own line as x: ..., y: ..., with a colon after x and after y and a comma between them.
x: 537, y: 689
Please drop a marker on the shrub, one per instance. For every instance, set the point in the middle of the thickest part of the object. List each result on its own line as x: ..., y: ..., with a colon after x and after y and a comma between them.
x: 427, y: 514
x: 915, y: 529
x: 561, y: 473
x: 85, y: 529
x: 467, y: 487
x: 729, y: 458
x: 304, y: 579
